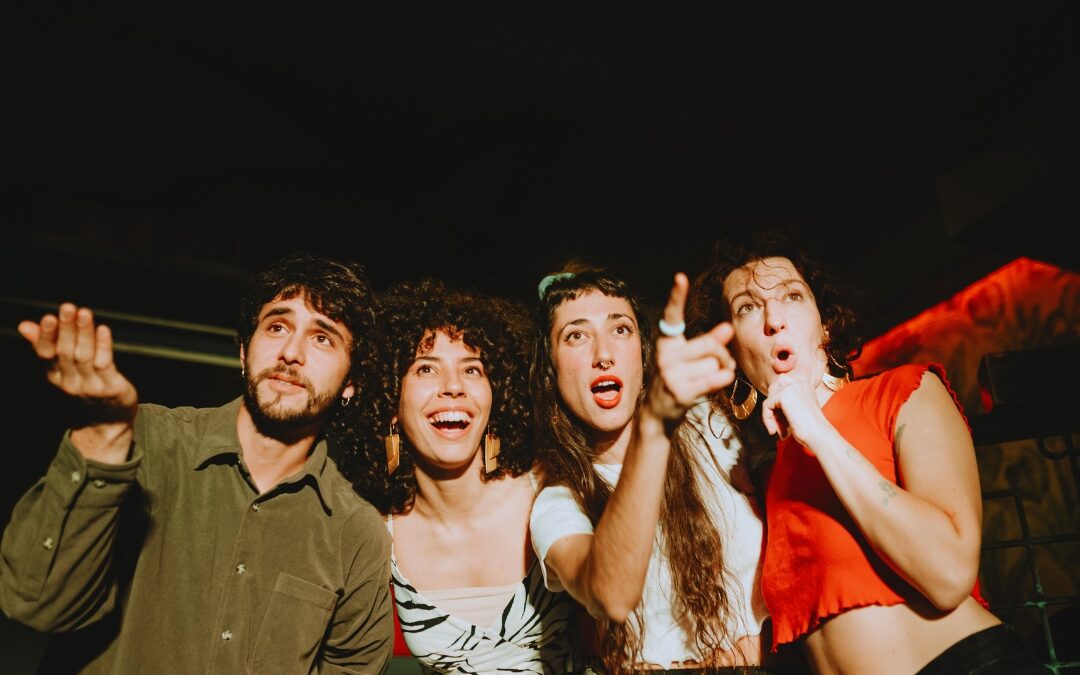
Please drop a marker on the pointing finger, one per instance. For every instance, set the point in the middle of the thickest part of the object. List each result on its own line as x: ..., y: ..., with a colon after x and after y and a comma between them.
x: 673, y: 311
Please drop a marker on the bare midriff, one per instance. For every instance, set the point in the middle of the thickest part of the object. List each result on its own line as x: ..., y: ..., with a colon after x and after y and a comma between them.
x: 896, y: 639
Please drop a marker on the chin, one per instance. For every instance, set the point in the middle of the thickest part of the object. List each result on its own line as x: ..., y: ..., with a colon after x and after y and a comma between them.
x: 607, y: 421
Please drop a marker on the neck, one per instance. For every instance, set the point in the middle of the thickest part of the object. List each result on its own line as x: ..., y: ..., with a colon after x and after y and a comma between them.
x: 610, y: 446
x: 457, y: 495
x: 270, y: 459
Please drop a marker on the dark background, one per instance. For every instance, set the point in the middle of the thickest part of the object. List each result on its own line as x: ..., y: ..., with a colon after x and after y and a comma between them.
x: 154, y: 155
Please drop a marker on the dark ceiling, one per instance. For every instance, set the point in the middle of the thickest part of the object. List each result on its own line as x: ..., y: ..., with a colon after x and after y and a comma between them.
x: 154, y: 155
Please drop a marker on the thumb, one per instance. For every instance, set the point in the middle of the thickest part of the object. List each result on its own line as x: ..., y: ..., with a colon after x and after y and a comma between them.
x: 30, y: 330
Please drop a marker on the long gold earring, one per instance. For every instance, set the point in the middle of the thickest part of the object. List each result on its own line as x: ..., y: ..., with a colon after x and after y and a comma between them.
x: 742, y: 410
x: 491, y: 452
x: 393, y: 450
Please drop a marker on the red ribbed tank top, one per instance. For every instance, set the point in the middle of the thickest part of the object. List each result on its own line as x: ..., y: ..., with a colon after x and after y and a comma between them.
x: 817, y: 562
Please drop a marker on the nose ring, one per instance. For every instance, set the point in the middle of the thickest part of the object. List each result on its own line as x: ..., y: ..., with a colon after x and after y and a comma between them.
x: 604, y: 365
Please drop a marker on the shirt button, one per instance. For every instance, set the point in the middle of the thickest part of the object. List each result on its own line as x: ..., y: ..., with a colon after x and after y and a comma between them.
x: 255, y: 507
x: 241, y: 568
x: 48, y: 543
x: 76, y: 476
x: 226, y: 635
x: 98, y: 483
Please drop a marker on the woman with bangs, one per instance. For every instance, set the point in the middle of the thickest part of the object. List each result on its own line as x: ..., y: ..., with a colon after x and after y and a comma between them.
x: 638, y: 519
x: 443, y: 448
x: 873, y: 502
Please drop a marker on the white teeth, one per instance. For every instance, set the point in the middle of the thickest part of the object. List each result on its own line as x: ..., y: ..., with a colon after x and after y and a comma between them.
x: 450, y: 416
x: 605, y: 383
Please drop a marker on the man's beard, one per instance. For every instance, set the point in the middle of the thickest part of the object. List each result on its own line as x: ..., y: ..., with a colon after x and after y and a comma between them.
x: 277, y: 421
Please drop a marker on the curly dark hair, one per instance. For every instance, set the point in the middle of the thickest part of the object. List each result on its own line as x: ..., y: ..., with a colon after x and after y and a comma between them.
x: 706, y: 305
x: 408, y: 317
x: 338, y: 289
x: 567, y: 450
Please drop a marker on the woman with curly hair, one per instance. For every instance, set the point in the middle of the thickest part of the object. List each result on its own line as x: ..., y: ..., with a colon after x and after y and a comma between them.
x: 448, y: 403
x: 873, y: 501
x: 638, y: 519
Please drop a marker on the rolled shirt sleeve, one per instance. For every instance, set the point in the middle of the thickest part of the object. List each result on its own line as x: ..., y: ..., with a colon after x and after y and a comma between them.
x: 555, y: 515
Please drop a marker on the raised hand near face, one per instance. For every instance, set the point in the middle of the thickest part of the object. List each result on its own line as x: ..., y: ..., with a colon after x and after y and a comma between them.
x: 686, y: 370
x: 792, y: 408
x: 79, y: 360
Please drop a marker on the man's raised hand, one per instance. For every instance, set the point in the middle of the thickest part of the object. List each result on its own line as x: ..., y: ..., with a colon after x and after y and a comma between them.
x: 79, y: 362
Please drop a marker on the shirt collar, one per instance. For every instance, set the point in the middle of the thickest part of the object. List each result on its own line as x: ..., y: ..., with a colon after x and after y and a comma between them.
x: 222, y: 439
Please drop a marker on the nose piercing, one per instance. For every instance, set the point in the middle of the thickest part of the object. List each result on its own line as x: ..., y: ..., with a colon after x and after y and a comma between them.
x: 604, y: 365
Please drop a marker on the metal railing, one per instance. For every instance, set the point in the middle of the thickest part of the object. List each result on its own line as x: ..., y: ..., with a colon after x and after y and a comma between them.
x: 1043, y: 604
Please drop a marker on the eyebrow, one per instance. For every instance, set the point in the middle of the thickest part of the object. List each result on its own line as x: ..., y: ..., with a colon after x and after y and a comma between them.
x: 322, y: 323
x: 614, y: 316
x: 788, y: 284
x: 436, y: 359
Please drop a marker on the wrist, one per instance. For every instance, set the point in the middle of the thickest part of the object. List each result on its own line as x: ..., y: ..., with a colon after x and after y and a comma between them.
x: 821, y: 436
x: 106, y: 442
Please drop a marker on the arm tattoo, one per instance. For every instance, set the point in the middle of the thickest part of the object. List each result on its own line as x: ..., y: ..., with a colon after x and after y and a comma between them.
x: 889, y: 489
x: 855, y: 456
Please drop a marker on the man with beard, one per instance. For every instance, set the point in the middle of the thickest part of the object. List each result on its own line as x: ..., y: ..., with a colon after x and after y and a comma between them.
x: 208, y: 540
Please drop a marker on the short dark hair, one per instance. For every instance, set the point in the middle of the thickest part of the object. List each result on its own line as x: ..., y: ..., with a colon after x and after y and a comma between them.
x: 338, y: 289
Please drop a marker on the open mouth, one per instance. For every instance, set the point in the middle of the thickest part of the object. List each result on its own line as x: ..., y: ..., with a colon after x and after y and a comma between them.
x: 607, y: 391
x: 450, y: 421
x: 783, y: 360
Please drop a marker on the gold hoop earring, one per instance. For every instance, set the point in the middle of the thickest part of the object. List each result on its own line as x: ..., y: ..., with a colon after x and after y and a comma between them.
x: 491, y: 452
x: 742, y: 410
x: 393, y: 450
x: 832, y: 382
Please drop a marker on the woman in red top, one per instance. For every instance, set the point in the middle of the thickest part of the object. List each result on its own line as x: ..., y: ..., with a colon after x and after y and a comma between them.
x: 873, y: 505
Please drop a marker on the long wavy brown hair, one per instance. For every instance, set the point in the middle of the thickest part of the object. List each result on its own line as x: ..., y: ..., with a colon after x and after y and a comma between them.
x: 567, y: 450
x: 408, y: 316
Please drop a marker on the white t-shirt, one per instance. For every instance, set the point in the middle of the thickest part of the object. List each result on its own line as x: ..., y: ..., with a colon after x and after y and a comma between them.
x: 555, y: 515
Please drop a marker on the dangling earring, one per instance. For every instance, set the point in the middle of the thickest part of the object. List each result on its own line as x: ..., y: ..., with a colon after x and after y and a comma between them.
x: 742, y: 410
x: 243, y: 372
x: 832, y: 382
x: 393, y: 449
x: 491, y: 452
x: 345, y: 401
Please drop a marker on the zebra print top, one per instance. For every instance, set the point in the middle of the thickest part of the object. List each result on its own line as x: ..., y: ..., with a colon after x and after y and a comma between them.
x: 535, y: 632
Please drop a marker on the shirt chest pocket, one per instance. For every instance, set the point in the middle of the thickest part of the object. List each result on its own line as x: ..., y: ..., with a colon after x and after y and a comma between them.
x: 292, y: 629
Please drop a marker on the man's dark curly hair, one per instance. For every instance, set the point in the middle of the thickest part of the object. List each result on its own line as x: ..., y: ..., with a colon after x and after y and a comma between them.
x: 706, y: 305
x: 338, y: 289
x: 409, y: 316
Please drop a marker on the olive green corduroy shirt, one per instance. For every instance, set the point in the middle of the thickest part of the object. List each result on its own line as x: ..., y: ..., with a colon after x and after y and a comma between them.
x: 178, y: 565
